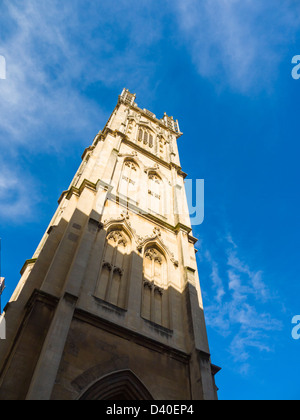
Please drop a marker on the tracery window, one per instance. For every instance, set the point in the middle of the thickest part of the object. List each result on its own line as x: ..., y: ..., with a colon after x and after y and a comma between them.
x: 154, y: 300
x: 128, y: 186
x: 113, y: 280
x: 155, y: 192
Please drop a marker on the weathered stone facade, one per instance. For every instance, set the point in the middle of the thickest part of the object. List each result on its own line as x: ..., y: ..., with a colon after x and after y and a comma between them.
x: 110, y: 306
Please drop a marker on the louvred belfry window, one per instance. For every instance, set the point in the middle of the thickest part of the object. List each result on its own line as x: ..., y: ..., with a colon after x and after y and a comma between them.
x: 146, y: 137
x: 140, y: 136
x: 150, y: 140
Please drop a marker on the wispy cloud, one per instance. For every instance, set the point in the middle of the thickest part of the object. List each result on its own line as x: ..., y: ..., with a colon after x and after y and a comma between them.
x: 56, y: 54
x: 16, y: 202
x: 239, y: 43
x: 215, y: 277
x: 42, y: 68
x: 256, y: 285
x: 238, y: 306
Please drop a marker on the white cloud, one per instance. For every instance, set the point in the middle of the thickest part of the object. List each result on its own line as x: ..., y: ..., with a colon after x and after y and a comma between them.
x: 54, y: 53
x: 41, y: 67
x: 17, y: 195
x: 257, y: 285
x: 238, y: 305
x: 216, y: 279
x: 238, y: 43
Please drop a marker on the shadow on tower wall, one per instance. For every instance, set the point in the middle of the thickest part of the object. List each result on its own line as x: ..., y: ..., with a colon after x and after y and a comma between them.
x: 88, y: 303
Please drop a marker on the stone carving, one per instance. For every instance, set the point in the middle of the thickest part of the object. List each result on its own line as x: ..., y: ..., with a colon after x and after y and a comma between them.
x: 159, y: 290
x: 152, y: 286
x: 149, y: 284
x: 117, y: 237
x: 140, y: 240
x: 133, y: 154
x: 152, y: 168
x: 107, y: 265
x: 152, y: 254
x: 129, y: 164
x: 124, y: 216
x: 119, y: 271
x: 156, y: 236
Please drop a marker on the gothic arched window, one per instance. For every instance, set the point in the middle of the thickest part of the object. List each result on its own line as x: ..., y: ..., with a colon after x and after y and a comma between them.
x: 146, y: 136
x: 119, y: 385
x: 151, y: 140
x: 128, y: 186
x: 112, y: 282
x: 140, y: 135
x: 154, y: 299
x: 155, y: 193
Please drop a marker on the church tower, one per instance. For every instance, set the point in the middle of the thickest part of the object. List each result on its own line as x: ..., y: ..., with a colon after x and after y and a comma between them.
x: 109, y: 306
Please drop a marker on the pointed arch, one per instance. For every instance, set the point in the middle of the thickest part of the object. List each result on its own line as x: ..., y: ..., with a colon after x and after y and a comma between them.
x: 122, y: 385
x: 121, y: 223
x: 133, y: 157
x: 155, y: 193
x: 146, y: 135
x: 112, y: 284
x: 129, y: 179
x: 156, y: 255
x: 156, y: 240
x: 155, y: 301
x: 145, y: 126
x: 155, y: 170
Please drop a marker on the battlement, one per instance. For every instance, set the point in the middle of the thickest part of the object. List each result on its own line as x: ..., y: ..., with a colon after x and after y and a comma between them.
x: 129, y: 99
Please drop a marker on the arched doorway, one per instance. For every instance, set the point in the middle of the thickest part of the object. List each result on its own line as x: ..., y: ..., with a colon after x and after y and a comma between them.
x: 122, y: 386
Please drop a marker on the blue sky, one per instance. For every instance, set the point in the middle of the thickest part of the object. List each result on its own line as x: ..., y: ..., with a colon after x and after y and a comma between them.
x: 223, y: 68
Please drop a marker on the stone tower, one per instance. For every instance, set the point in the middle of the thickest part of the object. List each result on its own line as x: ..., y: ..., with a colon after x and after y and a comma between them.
x: 110, y: 307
